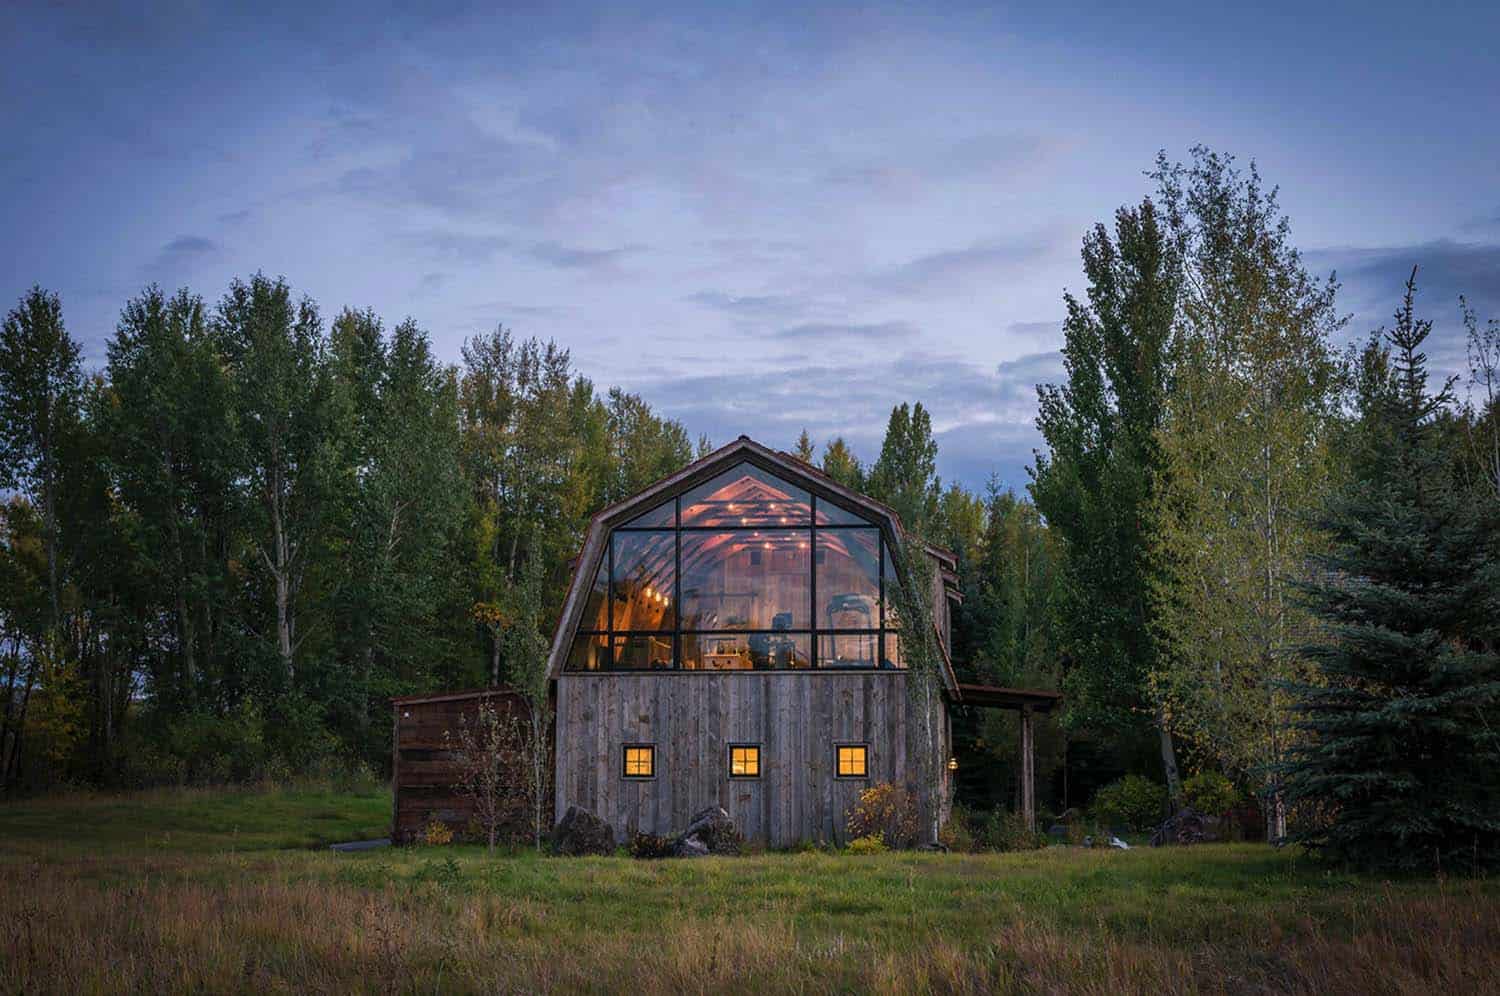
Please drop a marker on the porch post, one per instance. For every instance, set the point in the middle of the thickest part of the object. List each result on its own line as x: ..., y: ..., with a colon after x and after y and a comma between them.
x: 1028, y: 771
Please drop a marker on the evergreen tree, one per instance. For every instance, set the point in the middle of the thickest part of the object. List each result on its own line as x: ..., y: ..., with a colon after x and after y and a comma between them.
x: 804, y: 450
x: 840, y: 463
x: 1400, y: 767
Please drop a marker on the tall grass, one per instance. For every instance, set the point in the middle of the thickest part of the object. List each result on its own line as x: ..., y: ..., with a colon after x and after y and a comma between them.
x: 1222, y: 919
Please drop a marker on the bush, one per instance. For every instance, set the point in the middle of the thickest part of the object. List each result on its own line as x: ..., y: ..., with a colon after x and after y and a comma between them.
x: 1210, y: 793
x: 1006, y: 831
x: 886, y: 811
x: 437, y: 833
x: 1136, y: 802
x: 868, y: 844
x: 958, y: 833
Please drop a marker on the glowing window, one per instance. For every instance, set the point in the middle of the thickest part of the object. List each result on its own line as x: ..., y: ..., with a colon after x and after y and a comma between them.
x: 744, y: 761
x: 640, y: 761
x: 853, y: 761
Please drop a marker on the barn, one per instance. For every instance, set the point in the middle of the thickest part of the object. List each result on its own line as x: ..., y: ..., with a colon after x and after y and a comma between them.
x: 730, y: 637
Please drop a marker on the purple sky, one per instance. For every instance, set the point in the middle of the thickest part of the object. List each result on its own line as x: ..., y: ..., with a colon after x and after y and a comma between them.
x: 758, y: 217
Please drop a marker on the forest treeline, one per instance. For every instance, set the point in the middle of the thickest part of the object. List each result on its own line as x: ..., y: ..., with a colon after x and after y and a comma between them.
x: 228, y: 546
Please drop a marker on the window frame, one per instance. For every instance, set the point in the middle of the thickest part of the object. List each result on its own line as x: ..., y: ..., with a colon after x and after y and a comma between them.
x: 864, y: 749
x: 882, y: 626
x: 758, y: 757
x: 625, y: 750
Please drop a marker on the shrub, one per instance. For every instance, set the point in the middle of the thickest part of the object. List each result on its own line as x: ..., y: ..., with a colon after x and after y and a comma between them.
x: 1211, y: 793
x: 1136, y: 802
x: 1005, y: 831
x: 958, y: 833
x: 437, y: 833
x: 868, y: 844
x: 886, y: 811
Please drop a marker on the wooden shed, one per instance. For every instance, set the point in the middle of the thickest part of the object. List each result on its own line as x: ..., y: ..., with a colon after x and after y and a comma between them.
x: 424, y: 768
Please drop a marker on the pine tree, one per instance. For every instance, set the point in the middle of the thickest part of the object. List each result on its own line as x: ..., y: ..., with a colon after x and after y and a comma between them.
x: 1400, y: 766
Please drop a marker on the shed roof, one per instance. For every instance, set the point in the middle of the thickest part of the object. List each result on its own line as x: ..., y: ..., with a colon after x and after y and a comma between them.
x: 999, y: 697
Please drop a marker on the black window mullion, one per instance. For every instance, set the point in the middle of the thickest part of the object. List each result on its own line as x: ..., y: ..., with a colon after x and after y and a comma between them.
x: 812, y: 583
x: 609, y: 591
x: 880, y: 639
x: 677, y: 583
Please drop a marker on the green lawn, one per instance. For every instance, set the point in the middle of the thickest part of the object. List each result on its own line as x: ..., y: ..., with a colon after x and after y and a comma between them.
x: 223, y: 890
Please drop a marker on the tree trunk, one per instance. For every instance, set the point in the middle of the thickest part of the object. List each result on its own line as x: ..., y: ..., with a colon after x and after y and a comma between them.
x: 1169, y: 761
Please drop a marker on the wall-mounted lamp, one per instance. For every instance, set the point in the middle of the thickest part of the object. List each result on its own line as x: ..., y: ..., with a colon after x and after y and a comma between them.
x: 952, y: 764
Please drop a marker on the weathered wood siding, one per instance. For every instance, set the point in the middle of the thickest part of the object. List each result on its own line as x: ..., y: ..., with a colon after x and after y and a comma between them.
x: 693, y: 717
x: 425, y: 770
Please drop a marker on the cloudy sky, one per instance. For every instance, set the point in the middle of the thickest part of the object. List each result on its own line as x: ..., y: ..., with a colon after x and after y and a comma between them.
x: 760, y: 217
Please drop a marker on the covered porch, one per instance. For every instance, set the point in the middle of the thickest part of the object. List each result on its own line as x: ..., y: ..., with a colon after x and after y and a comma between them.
x: 1028, y: 702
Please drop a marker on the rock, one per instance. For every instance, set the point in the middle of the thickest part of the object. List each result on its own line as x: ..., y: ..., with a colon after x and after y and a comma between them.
x: 1118, y: 844
x: 1186, y: 827
x: 689, y: 847
x: 713, y: 828
x: 648, y: 845
x: 580, y: 832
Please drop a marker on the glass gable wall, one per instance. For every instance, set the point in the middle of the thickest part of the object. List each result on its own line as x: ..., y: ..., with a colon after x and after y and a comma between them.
x: 743, y: 572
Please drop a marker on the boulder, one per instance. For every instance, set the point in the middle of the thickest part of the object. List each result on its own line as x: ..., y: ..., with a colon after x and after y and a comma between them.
x: 688, y: 847
x: 580, y: 832
x: 648, y: 845
x: 715, y: 830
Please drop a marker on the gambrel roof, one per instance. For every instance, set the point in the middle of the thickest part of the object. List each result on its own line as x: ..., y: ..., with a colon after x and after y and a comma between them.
x: 741, y: 450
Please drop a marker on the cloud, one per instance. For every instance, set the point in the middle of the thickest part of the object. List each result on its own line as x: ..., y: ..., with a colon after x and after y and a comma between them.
x: 1484, y: 223
x: 984, y: 157
x: 983, y: 417
x: 463, y: 247
x: 178, y: 257
x: 782, y: 307
x: 573, y: 258
x: 1373, y: 280
x: 813, y: 331
x: 431, y: 283
x: 957, y: 266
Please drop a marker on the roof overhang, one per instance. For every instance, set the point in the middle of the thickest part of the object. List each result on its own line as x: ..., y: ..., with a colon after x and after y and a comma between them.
x: 998, y: 697
x: 743, y: 449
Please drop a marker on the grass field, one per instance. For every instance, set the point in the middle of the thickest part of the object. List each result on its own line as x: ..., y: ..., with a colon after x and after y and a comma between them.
x: 217, y: 891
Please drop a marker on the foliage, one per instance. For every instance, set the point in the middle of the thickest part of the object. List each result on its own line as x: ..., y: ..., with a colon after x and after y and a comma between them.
x: 840, y: 463
x: 1003, y: 830
x: 1245, y: 447
x: 872, y: 843
x: 1401, y: 757
x: 527, y: 656
x: 885, y: 811
x: 436, y: 833
x: 957, y: 832
x: 485, y: 754
x: 246, y: 506
x: 1096, y: 483
x: 1210, y: 792
x: 1135, y: 802
x: 905, y: 475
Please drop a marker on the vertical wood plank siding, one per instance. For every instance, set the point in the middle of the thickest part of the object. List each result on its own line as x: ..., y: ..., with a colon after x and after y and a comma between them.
x: 692, y: 719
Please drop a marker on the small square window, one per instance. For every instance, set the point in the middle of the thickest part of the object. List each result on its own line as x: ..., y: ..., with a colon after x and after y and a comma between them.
x: 640, y: 761
x: 853, y: 761
x: 744, y: 761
